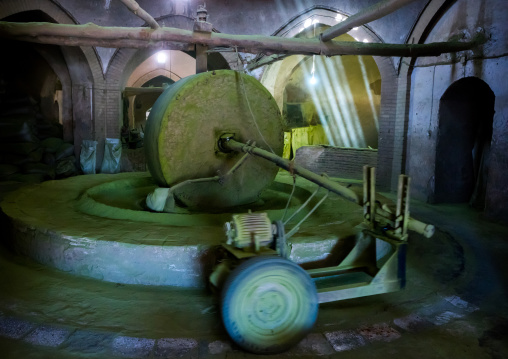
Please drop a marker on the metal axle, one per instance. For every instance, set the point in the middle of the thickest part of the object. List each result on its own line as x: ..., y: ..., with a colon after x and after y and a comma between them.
x: 228, y: 144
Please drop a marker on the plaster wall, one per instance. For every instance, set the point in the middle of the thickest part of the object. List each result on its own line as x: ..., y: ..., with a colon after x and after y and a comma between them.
x: 431, y: 77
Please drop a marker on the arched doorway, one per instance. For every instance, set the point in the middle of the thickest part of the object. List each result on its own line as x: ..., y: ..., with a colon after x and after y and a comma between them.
x: 144, y: 102
x: 341, y: 93
x: 37, y: 113
x: 466, y: 112
x: 327, y: 100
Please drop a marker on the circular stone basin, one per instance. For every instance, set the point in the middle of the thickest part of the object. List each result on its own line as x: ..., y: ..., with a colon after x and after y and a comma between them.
x: 97, y: 226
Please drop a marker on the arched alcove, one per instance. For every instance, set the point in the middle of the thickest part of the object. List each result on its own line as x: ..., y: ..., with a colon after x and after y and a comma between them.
x: 77, y: 68
x: 327, y: 100
x: 158, y: 70
x: 466, y: 113
x: 341, y: 93
x: 39, y: 72
x: 132, y: 68
x: 144, y: 102
x: 52, y: 87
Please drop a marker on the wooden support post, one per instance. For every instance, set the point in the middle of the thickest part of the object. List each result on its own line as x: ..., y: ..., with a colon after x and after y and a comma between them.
x: 203, y: 29
x: 369, y: 195
x: 402, y: 211
x: 201, y: 58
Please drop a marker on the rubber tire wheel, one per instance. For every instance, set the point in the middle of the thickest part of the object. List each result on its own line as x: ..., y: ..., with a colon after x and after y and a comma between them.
x: 268, y: 305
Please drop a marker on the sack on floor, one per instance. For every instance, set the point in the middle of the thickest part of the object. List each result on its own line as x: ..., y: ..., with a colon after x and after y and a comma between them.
x: 47, y: 129
x: 52, y: 144
x: 40, y: 168
x: 66, y: 167
x: 65, y: 150
x: 112, y: 155
x: 7, y: 169
x: 18, y: 129
x: 87, y: 157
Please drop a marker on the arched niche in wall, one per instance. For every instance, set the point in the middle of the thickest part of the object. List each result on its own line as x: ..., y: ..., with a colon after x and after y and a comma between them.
x: 171, y: 65
x: 49, y: 84
x: 466, y: 112
x: 77, y: 68
x: 341, y: 93
x: 144, y: 102
x: 38, y: 72
x: 132, y: 68
x: 339, y: 97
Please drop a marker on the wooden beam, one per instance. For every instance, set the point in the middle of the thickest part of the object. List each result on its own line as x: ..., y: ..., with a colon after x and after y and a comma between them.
x: 133, y: 91
x: 93, y: 35
x: 109, y: 43
x: 265, y: 60
x: 138, y: 11
x: 367, y: 15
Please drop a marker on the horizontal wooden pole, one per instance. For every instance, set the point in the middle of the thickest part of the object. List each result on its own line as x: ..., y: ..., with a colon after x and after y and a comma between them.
x: 121, y: 43
x: 94, y: 35
x: 133, y: 91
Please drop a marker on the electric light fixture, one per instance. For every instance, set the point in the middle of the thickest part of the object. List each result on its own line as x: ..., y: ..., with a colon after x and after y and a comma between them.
x: 161, y: 57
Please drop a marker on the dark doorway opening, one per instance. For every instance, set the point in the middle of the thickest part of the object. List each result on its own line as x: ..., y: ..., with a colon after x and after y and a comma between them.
x: 466, y: 113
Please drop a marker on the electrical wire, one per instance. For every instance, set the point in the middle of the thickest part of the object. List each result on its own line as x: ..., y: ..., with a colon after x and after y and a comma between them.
x: 289, y: 199
x: 248, y: 105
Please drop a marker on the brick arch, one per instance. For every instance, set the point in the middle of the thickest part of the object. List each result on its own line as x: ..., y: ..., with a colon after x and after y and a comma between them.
x: 81, y: 79
x: 326, y: 16
x: 61, y: 16
x: 149, y: 72
x: 122, y: 65
x: 153, y: 74
x: 388, y: 82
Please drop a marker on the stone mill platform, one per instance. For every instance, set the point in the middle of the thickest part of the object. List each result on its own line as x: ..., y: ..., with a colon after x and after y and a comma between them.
x: 97, y: 226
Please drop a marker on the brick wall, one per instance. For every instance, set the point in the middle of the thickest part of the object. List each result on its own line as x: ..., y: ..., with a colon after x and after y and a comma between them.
x: 390, y: 137
x: 336, y: 161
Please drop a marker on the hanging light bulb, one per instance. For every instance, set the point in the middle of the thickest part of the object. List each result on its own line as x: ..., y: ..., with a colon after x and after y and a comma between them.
x: 161, y: 57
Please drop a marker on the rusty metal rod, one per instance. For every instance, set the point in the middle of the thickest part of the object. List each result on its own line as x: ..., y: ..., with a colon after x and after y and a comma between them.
x: 229, y: 144
x: 324, y: 182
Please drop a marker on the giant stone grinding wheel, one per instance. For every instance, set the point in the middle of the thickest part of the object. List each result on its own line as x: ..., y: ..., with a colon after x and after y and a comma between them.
x: 183, y: 129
